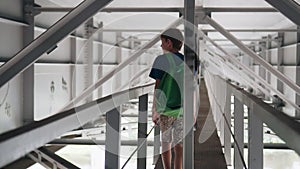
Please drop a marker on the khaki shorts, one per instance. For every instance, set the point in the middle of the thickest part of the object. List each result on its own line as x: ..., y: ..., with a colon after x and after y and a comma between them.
x: 171, y: 126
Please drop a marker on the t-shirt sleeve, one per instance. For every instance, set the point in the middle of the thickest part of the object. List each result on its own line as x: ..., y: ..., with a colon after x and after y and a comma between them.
x: 158, y: 67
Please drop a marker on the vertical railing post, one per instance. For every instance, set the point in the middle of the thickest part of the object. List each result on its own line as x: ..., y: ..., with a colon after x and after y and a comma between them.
x: 28, y: 75
x: 227, y: 128
x: 255, y: 139
x: 280, y: 54
x: 297, y: 99
x: 189, y: 58
x: 142, y: 131
x: 238, y: 134
x: 100, y: 58
x: 88, y: 57
x: 112, y: 140
x: 156, y: 145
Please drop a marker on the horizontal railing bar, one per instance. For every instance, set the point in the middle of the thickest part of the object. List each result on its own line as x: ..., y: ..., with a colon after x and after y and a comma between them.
x: 18, y: 142
x: 94, y: 142
x: 276, y: 120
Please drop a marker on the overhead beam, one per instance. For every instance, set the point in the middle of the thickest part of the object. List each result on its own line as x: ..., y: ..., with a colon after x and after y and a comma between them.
x: 159, y: 9
x: 28, y: 55
x: 288, y: 8
x: 37, y: 134
x: 204, y: 30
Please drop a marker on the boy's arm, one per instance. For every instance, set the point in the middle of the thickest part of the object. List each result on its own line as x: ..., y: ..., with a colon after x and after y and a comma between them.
x: 155, y: 114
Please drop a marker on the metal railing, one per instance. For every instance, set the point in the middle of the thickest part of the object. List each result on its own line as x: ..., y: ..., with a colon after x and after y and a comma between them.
x: 37, y: 134
x: 259, y: 112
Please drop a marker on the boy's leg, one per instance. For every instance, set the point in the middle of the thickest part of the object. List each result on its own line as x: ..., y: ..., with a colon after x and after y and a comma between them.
x: 177, y: 138
x: 178, y: 156
x: 166, y: 155
x: 166, y: 137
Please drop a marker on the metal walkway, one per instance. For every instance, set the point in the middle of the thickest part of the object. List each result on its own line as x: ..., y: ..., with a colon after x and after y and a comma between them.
x: 208, y: 153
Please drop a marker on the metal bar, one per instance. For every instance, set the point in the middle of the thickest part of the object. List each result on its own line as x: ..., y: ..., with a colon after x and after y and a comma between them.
x: 118, y: 54
x: 227, y: 134
x: 204, y: 30
x: 100, y: 58
x: 249, y: 72
x: 28, y: 75
x: 88, y: 56
x: 275, y: 146
x: 289, y: 8
x: 156, y: 144
x: 253, y: 55
x: 118, y: 68
x: 46, y: 155
x: 238, y: 134
x: 37, y: 134
x: 113, y: 139
x: 254, y: 30
x: 94, y: 142
x: 255, y: 139
x: 188, y: 106
x: 160, y: 9
x: 5, y: 19
x: 277, y: 121
x: 28, y: 55
x: 73, y: 53
x: 242, y: 9
x: 297, y: 99
x: 261, y: 40
x: 280, y: 54
x: 142, y: 131
x: 261, y: 69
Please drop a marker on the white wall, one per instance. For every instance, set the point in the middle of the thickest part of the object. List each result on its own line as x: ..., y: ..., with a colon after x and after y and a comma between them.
x: 52, y: 89
x: 11, y: 105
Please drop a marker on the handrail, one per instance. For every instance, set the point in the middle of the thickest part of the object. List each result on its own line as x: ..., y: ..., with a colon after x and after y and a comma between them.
x: 276, y: 120
x: 249, y: 72
x: 253, y: 55
x: 37, y: 134
x: 228, y: 124
x: 242, y: 76
x: 28, y: 55
x: 118, y: 68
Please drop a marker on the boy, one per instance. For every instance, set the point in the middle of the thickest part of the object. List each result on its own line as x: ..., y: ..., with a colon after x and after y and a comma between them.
x: 170, y: 125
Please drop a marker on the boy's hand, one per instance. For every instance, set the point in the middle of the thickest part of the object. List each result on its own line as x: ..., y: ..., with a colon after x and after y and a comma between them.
x: 155, y: 117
